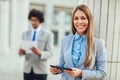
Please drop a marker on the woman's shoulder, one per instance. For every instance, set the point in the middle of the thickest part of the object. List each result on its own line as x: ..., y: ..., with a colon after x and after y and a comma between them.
x: 99, y: 43
x: 66, y: 38
x: 98, y: 40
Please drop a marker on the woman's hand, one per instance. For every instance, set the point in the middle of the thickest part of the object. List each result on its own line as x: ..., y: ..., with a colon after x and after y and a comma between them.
x: 75, y: 72
x: 55, y: 70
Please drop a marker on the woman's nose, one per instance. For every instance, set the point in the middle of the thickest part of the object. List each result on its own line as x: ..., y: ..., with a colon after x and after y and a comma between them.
x: 79, y: 21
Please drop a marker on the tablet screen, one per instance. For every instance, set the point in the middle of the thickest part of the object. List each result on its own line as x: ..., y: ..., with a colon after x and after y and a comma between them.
x: 61, y: 68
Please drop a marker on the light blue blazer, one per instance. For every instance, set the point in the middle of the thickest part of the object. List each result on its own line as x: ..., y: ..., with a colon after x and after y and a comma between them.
x: 97, y: 71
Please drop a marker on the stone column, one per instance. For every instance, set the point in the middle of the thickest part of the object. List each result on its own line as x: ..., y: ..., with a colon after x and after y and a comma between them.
x: 19, y: 24
x: 19, y: 19
x: 49, y: 15
x: 4, y: 26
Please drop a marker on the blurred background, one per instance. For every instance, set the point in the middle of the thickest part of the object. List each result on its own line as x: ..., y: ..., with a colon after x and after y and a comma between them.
x: 13, y: 21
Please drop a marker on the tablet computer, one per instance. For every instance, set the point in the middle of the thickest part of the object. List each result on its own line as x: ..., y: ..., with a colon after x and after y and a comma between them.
x: 61, y: 68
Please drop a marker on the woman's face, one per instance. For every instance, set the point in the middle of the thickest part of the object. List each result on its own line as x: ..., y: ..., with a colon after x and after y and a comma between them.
x: 80, y: 22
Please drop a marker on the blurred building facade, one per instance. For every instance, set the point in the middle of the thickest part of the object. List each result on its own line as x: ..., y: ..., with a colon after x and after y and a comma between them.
x: 13, y: 21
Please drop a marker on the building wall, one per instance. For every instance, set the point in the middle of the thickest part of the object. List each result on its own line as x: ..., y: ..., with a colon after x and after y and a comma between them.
x: 106, y: 15
x: 12, y: 24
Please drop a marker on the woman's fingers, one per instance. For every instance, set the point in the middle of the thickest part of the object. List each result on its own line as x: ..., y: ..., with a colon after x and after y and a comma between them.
x: 74, y: 73
x: 54, y: 70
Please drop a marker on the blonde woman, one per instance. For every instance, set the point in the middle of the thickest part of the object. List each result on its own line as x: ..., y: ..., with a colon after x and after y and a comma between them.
x: 82, y: 52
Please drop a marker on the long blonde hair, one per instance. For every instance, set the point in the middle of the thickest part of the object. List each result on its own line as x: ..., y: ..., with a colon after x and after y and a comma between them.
x: 89, y: 33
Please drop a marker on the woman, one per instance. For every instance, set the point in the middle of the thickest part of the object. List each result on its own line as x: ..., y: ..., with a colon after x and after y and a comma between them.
x: 82, y: 52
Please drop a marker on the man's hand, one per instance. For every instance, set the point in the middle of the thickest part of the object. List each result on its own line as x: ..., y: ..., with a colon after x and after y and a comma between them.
x: 75, y: 72
x: 36, y: 51
x: 21, y: 51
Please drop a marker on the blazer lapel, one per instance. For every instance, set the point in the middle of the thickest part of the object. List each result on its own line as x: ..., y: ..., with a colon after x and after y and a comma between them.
x: 70, y: 51
x: 29, y: 34
x: 81, y: 60
x: 40, y: 34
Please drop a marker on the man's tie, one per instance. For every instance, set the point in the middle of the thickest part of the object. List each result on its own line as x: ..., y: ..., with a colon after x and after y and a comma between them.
x: 34, y: 36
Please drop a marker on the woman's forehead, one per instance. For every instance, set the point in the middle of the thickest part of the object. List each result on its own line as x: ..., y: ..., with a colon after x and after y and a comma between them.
x: 79, y: 13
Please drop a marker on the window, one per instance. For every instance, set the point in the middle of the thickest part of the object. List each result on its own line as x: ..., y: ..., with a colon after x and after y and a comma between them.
x: 55, y: 37
x: 67, y: 33
x: 62, y: 16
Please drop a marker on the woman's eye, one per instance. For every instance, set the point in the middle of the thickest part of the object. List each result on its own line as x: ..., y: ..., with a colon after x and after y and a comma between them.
x: 76, y: 18
x: 83, y: 18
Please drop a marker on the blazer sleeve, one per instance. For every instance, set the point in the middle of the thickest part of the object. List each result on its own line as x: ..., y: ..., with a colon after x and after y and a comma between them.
x: 100, y: 72
x: 49, y: 48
